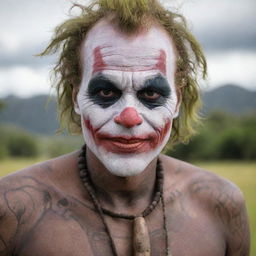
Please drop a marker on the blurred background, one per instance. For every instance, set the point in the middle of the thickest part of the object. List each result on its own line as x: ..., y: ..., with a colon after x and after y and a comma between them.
x: 226, y: 142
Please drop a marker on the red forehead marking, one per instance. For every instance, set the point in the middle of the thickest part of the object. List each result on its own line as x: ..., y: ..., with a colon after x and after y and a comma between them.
x: 99, y: 63
x: 161, y: 62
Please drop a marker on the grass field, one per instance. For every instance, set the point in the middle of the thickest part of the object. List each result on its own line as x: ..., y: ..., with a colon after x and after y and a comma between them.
x: 241, y: 173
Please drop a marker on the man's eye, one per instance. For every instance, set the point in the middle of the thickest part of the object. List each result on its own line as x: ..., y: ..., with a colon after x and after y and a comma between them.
x: 149, y: 95
x: 107, y: 93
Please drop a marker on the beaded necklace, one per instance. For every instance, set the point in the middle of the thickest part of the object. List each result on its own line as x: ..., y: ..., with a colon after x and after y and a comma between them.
x: 141, y: 237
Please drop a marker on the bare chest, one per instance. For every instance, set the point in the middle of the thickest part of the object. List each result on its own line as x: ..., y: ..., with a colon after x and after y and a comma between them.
x: 69, y: 227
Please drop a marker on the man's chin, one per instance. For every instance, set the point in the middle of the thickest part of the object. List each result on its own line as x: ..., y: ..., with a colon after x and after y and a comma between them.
x: 126, y: 165
x: 124, y: 171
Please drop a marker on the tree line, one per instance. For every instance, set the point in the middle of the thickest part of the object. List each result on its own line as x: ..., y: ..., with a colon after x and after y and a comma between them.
x: 220, y: 137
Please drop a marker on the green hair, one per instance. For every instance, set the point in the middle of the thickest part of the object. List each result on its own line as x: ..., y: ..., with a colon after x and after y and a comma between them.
x: 129, y: 15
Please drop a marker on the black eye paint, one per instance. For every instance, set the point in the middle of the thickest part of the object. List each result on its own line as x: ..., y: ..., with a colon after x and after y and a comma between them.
x: 157, y: 85
x: 103, y: 92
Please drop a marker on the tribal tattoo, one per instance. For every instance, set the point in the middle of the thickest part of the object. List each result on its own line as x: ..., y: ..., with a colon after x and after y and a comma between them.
x: 33, y: 211
x: 226, y: 201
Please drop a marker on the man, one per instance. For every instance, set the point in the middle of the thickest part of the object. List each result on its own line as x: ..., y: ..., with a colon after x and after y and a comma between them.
x: 127, y: 77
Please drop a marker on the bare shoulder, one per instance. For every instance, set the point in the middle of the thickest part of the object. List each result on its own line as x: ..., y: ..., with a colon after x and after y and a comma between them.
x: 216, y: 196
x: 47, y: 172
x: 202, y: 184
x: 49, y: 175
x: 26, y: 193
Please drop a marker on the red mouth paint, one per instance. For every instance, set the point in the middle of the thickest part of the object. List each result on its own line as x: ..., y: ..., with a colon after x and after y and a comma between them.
x: 129, y: 144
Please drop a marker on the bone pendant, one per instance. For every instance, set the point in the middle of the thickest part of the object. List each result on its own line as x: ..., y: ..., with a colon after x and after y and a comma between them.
x: 141, y: 240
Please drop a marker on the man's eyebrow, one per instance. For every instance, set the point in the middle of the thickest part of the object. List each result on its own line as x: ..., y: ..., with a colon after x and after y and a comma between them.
x: 158, y: 84
x: 100, y: 82
x: 100, y: 77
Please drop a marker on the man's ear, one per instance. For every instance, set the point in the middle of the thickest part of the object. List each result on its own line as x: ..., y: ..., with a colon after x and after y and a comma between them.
x: 179, y: 99
x: 74, y: 98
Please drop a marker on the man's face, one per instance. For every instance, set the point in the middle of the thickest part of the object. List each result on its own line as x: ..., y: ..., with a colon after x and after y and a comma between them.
x: 127, y: 98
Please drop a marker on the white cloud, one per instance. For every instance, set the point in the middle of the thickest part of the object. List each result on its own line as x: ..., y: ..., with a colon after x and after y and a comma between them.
x: 29, y: 22
x: 208, y: 14
x: 28, y: 25
x: 221, y: 24
x: 235, y: 67
x: 24, y: 81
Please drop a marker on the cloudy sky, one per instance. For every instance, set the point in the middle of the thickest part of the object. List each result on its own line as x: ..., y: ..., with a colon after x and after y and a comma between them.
x: 225, y: 28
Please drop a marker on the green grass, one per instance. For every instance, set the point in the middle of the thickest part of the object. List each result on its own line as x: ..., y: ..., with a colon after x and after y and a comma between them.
x: 241, y: 173
x: 13, y: 164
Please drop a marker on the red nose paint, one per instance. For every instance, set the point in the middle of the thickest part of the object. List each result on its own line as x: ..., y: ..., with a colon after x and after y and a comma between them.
x: 128, y: 118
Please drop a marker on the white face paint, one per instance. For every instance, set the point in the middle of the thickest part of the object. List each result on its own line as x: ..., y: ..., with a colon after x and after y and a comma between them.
x: 127, y: 98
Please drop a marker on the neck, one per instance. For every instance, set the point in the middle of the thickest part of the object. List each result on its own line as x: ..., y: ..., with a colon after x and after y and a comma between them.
x: 122, y: 194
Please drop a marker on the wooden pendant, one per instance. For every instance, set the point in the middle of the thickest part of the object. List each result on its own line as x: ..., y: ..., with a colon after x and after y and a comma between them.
x: 141, y: 240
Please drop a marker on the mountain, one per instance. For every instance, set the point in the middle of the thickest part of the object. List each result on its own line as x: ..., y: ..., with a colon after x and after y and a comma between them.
x: 36, y: 115
x: 229, y: 98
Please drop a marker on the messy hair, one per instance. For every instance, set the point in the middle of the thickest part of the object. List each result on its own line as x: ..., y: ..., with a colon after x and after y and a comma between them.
x: 129, y: 15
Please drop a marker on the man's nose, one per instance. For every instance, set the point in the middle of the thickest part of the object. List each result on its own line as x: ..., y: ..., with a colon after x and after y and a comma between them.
x: 128, y: 118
